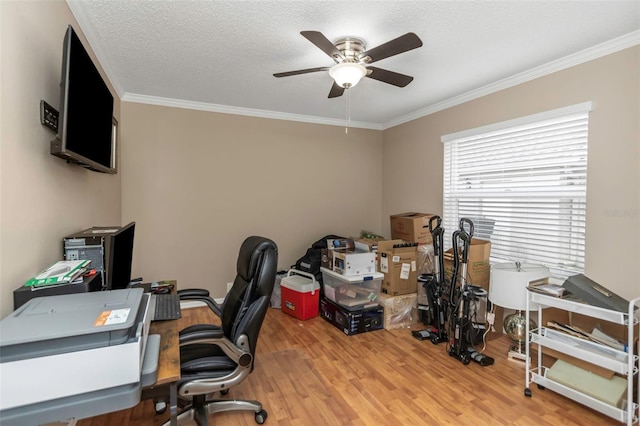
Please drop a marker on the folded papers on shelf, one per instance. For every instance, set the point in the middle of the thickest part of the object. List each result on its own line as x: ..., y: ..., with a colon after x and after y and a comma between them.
x: 61, y: 272
x: 597, y: 335
x: 548, y: 288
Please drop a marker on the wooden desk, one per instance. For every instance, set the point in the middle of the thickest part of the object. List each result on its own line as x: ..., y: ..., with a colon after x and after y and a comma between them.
x: 169, y: 357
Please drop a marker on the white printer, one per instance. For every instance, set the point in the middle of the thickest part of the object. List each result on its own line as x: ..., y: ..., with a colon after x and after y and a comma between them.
x: 76, y: 356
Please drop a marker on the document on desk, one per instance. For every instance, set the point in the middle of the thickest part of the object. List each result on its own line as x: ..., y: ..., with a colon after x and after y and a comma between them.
x: 61, y: 272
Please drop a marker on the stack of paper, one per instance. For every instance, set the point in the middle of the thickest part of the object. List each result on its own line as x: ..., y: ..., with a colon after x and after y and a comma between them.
x: 61, y: 272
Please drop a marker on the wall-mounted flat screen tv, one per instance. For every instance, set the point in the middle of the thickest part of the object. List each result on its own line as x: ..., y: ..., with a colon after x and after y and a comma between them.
x: 86, y: 127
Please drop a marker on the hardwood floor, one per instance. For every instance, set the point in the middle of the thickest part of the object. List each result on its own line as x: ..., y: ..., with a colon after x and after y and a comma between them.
x: 310, y: 373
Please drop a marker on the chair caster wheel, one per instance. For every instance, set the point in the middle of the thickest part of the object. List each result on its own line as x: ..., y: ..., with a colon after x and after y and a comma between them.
x: 527, y: 392
x: 261, y: 417
x: 225, y: 392
x: 160, y: 407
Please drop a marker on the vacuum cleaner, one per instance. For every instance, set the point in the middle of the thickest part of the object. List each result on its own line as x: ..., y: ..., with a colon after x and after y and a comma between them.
x: 435, y: 285
x: 461, y: 300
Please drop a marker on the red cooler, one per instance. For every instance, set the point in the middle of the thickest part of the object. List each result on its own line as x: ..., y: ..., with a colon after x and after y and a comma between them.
x: 300, y: 294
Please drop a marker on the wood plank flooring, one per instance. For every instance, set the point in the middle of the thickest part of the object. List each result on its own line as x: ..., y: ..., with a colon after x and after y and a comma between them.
x: 310, y: 373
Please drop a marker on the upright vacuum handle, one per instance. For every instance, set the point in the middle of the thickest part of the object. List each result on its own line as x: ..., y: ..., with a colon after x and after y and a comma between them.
x: 437, y: 233
x: 434, y: 218
x: 464, y: 233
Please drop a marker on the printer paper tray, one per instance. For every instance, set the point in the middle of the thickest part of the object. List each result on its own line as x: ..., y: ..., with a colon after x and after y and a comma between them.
x: 76, y: 406
x: 68, y: 374
x: 88, y: 404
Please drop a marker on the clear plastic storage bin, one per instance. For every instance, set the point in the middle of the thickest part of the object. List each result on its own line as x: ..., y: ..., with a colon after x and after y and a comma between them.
x: 354, y: 291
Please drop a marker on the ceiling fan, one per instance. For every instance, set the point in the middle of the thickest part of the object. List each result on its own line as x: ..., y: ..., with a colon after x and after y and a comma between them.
x: 353, y: 61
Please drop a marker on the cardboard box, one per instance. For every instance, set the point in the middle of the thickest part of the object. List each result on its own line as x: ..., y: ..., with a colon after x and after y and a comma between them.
x: 369, y: 244
x: 412, y: 227
x: 398, y: 263
x: 352, y: 322
x: 326, y: 254
x: 351, y: 292
x: 326, y: 258
x: 478, y: 266
x: 340, y: 244
x: 354, y: 262
x: 399, y: 311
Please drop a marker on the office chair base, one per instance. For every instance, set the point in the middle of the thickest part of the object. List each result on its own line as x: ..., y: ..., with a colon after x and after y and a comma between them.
x: 200, y: 414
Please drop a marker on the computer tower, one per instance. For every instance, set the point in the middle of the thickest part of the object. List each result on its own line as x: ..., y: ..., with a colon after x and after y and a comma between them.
x: 93, y: 244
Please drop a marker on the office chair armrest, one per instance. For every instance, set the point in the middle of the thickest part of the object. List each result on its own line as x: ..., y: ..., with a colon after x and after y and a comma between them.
x: 193, y: 292
x: 198, y: 333
x: 200, y: 297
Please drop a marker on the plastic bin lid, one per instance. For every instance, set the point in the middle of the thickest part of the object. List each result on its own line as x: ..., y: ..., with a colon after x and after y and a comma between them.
x: 352, y: 278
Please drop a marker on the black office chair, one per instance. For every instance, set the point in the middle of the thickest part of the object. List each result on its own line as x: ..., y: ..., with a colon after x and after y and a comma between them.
x: 214, y: 358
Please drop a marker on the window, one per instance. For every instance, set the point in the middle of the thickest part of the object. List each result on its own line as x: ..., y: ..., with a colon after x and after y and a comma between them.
x: 523, y: 184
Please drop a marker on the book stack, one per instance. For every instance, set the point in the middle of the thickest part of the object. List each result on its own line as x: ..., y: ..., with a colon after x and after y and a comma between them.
x: 60, y: 273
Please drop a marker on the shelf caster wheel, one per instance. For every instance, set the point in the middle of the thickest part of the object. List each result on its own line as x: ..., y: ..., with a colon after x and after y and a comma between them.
x: 527, y: 392
x: 261, y: 417
x: 434, y: 339
x: 541, y: 387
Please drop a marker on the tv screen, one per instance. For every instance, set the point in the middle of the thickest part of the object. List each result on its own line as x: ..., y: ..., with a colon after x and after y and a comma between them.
x: 120, y: 256
x: 86, y: 132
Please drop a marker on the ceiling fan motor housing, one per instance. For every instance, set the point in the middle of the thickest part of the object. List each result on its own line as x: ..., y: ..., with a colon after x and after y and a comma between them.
x: 351, y: 48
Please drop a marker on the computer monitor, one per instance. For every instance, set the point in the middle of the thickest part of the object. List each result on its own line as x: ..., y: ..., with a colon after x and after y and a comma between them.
x: 120, y: 256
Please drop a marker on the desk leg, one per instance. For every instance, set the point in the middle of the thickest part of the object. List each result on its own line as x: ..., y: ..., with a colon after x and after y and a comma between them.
x: 173, y: 403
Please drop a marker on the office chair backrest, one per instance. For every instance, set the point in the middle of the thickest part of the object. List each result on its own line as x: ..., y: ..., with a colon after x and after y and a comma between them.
x: 248, y: 300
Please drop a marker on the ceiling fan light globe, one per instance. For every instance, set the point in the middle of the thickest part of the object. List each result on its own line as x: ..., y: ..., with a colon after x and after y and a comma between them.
x: 347, y: 74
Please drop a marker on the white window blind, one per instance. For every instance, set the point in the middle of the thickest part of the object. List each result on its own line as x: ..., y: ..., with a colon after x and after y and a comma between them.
x: 523, y: 184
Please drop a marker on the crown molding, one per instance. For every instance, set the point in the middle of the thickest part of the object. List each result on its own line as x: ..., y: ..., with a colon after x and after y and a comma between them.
x: 225, y: 109
x: 597, y: 51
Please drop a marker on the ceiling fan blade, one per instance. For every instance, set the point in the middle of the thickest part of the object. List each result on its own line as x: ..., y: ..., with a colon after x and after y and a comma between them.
x: 305, y: 71
x: 323, y: 43
x: 389, y: 77
x: 336, y: 90
x: 401, y: 44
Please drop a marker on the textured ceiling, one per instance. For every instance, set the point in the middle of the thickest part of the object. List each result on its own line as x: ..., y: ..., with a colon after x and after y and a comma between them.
x: 221, y: 55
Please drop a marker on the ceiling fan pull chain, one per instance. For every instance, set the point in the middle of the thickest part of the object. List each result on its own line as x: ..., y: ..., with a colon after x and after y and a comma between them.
x: 346, y: 129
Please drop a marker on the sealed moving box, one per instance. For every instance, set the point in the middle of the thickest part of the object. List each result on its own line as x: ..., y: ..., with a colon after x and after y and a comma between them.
x: 478, y: 266
x: 398, y: 263
x: 412, y: 227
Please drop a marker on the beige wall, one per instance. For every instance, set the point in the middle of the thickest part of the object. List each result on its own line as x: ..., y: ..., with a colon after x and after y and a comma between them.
x: 42, y: 198
x: 413, y: 153
x: 197, y: 183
